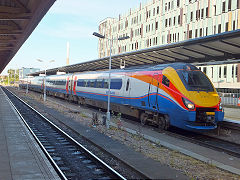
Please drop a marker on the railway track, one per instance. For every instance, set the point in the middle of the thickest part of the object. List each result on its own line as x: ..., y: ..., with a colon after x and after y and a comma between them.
x: 230, y: 125
x: 70, y: 159
x: 207, y: 141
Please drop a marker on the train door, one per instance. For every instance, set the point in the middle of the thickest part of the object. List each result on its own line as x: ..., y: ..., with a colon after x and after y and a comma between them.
x: 69, y: 85
x: 74, y: 84
x: 127, y: 88
x: 153, y: 91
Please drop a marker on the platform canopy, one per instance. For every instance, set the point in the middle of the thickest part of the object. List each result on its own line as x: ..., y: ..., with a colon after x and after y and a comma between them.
x: 18, y: 18
x: 219, y: 47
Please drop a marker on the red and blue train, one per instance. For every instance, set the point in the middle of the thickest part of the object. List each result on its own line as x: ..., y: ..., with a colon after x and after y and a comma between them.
x: 176, y: 94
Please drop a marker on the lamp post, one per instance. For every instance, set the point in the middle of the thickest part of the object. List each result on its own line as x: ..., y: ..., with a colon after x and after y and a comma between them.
x: 27, y: 86
x: 44, y: 81
x: 109, y: 73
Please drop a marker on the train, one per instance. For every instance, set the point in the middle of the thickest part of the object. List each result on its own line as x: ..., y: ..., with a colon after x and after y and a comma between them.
x: 176, y: 94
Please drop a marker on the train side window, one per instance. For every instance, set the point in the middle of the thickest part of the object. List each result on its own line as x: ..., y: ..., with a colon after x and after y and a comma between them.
x: 85, y: 83
x: 165, y: 81
x: 105, y: 83
x: 99, y: 83
x: 91, y: 83
x: 116, y: 83
x: 80, y: 82
x: 127, y: 86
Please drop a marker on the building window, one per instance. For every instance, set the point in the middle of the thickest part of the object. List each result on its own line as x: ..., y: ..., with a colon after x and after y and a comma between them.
x: 166, y: 7
x: 205, y: 70
x: 206, y: 11
x: 200, y: 32
x: 229, y: 5
x: 174, y: 20
x: 202, y: 13
x: 212, y: 71
x: 165, y: 22
x: 169, y: 5
x: 170, y: 22
x: 156, y: 26
x: 232, y: 71
x: 158, y: 10
x: 223, y: 7
x: 234, y: 26
x: 214, y: 29
x: 226, y: 28
x: 153, y: 11
x: 225, y: 71
x: 220, y: 72
x: 215, y: 10
x: 219, y: 28
x: 236, y: 71
x: 190, y: 34
x: 196, y: 31
x: 179, y: 19
x: 178, y: 3
x: 191, y: 17
x: 206, y: 31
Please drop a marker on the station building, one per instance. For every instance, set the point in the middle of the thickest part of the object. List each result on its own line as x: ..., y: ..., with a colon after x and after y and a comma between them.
x: 160, y: 22
x: 225, y: 77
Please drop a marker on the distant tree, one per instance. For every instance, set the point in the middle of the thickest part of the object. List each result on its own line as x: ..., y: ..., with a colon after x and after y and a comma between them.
x: 13, y: 76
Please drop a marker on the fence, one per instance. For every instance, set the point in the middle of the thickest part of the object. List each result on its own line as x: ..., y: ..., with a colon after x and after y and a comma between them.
x: 230, y: 98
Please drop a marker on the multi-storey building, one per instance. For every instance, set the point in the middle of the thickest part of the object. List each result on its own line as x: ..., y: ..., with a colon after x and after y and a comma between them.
x: 223, y: 76
x: 160, y: 22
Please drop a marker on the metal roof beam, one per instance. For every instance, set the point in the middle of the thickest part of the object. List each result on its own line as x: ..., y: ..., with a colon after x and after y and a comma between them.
x: 20, y: 16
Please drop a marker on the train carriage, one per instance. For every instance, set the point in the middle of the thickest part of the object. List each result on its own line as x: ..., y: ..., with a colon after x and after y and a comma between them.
x: 175, y: 94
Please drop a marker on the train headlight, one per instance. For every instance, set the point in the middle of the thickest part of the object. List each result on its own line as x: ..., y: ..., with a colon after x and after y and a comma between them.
x: 188, y: 104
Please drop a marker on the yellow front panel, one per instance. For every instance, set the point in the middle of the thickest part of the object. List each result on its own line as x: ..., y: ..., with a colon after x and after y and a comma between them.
x: 201, y: 98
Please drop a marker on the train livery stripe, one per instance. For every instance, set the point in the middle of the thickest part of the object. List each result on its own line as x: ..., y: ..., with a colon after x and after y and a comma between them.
x: 74, y: 86
x: 67, y: 85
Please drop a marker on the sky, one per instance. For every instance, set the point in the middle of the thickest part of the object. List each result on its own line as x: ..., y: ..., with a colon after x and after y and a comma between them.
x: 71, y: 21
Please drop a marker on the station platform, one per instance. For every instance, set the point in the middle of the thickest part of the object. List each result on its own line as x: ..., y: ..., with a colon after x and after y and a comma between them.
x: 232, y: 115
x: 20, y: 156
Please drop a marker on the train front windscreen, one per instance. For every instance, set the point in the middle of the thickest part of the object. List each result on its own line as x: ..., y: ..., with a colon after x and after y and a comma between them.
x: 195, y: 80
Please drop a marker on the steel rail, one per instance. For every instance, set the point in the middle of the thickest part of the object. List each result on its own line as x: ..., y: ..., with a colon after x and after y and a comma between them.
x: 65, y: 134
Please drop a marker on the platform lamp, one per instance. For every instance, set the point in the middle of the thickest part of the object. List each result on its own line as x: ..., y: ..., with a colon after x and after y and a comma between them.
x: 109, y: 74
x: 44, y: 90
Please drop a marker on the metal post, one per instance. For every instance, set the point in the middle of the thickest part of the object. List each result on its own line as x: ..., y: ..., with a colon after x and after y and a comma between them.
x: 18, y: 79
x: 109, y: 86
x: 44, y: 91
x: 27, y: 86
x: 14, y: 76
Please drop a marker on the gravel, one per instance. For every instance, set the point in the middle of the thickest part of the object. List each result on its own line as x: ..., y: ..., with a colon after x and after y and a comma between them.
x: 193, y: 168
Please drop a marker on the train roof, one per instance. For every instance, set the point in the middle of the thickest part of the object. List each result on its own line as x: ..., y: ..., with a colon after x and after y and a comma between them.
x: 147, y: 67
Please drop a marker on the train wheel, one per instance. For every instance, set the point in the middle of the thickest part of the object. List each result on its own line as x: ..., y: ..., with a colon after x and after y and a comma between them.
x: 143, y: 118
x: 166, y: 117
x: 161, y: 123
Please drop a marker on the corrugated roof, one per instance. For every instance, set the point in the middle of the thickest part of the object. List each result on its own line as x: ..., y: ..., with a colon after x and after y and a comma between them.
x: 219, y: 47
x: 18, y: 18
